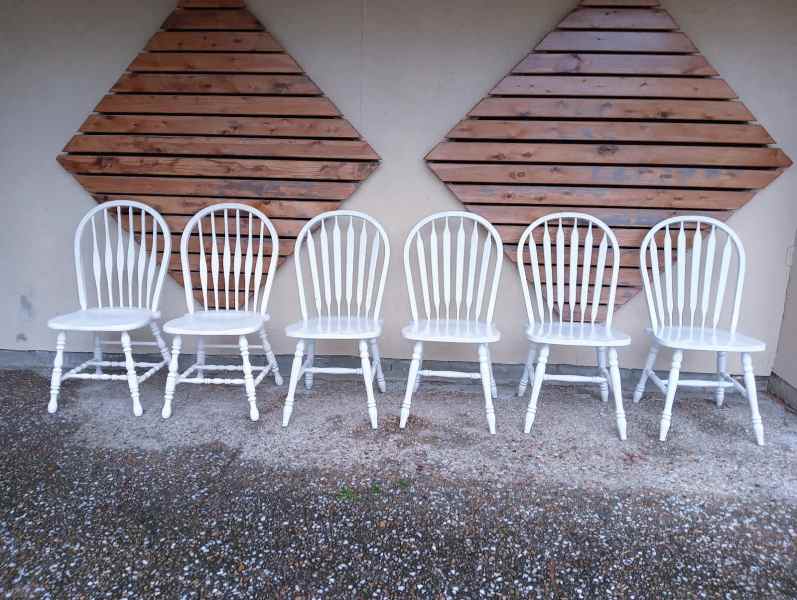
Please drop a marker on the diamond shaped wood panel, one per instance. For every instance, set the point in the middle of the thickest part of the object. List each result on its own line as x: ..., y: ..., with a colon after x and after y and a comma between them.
x: 215, y: 110
x: 616, y: 114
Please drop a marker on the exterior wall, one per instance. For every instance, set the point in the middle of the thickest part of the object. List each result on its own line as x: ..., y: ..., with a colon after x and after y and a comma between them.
x: 786, y: 358
x: 403, y: 73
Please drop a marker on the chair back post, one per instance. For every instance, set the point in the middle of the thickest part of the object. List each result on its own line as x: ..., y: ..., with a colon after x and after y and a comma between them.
x: 697, y: 301
x: 240, y: 236
x: 349, y: 281
x: 448, y: 265
x: 567, y: 260
x: 126, y: 273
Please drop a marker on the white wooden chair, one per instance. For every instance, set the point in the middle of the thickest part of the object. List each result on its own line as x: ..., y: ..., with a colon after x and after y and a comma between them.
x: 688, y: 308
x: 127, y: 278
x: 458, y: 259
x: 567, y: 302
x: 348, y: 265
x: 240, y: 244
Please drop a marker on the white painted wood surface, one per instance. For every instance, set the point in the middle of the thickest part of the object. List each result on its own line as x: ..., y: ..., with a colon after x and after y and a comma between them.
x: 562, y: 260
x: 342, y: 300
x: 241, y: 245
x: 695, y: 306
x: 456, y: 259
x: 119, y: 283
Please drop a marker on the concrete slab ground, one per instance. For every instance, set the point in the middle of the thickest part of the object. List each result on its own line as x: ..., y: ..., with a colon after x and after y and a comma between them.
x: 97, y: 503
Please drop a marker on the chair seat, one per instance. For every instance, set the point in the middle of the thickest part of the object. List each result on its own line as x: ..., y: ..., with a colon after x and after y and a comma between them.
x: 576, y: 334
x: 457, y: 331
x: 103, y: 319
x: 335, y: 328
x: 217, y: 322
x: 705, y: 338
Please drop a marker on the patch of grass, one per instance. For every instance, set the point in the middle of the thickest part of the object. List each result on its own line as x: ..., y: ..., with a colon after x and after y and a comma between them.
x: 376, y: 488
x: 403, y: 483
x: 347, y: 494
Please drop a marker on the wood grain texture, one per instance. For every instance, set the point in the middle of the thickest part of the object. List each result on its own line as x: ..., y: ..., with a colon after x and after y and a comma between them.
x: 615, y: 114
x: 214, y: 110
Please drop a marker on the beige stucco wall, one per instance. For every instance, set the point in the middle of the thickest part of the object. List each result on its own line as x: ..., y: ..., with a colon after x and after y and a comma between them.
x: 785, y: 364
x: 403, y: 73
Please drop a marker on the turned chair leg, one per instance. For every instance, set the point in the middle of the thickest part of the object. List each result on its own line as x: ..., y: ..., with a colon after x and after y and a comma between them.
x: 419, y: 377
x: 55, y: 380
x: 722, y: 367
x: 308, y: 375
x: 493, y: 385
x: 98, y: 354
x: 171, y: 379
x: 380, y: 375
x: 752, y: 397
x: 528, y: 369
x: 539, y: 375
x: 292, y: 383
x: 132, y: 376
x: 412, y: 378
x: 162, y: 346
x: 486, y: 375
x: 249, y: 380
x: 614, y: 369
x: 365, y: 359
x: 201, y: 357
x: 272, y: 360
x: 672, y: 385
x: 601, y: 352
x: 643, y: 379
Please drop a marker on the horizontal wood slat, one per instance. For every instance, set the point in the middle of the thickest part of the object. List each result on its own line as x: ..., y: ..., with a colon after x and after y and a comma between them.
x: 598, y: 108
x: 602, y: 176
x: 616, y: 41
x: 224, y: 146
x: 626, y: 3
x: 609, y: 131
x: 615, y: 87
x: 159, y: 83
x: 614, y: 64
x: 215, y: 62
x: 619, y: 18
x: 225, y: 126
x: 621, y: 154
x: 213, y: 41
x: 218, y: 105
x: 211, y: 4
x: 218, y: 167
x: 234, y: 20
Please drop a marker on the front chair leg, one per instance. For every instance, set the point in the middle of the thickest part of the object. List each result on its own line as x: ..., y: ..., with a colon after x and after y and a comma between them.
x: 201, y: 357
x: 614, y: 370
x: 752, y: 397
x: 171, y: 380
x: 287, y: 411
x: 98, y: 354
x: 484, y: 367
x: 55, y: 380
x: 162, y: 347
x: 415, y: 365
x: 249, y: 380
x: 672, y: 384
x: 528, y: 369
x: 493, y: 386
x: 272, y: 360
x: 643, y: 379
x: 539, y: 375
x: 132, y: 377
x: 604, y: 373
x: 418, y: 378
x: 722, y: 367
x: 310, y: 361
x: 380, y: 376
x: 369, y: 382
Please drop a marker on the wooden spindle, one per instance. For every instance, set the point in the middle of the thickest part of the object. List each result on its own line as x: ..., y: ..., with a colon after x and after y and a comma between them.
x: 460, y: 266
x: 474, y: 247
x: 435, y: 271
x: 574, y: 244
x: 587, y: 266
x: 248, y: 263
x: 95, y: 263
x: 708, y: 274
x: 421, y: 251
x: 697, y: 246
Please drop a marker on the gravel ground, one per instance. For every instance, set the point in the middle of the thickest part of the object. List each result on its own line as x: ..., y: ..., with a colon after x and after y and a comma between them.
x: 96, y: 503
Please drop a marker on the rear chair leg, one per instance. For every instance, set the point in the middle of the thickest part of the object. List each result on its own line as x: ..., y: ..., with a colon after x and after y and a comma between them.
x: 484, y: 367
x: 651, y: 360
x: 249, y: 381
x: 528, y: 368
x: 604, y: 373
x: 171, y: 380
x: 272, y: 360
x: 98, y: 354
x: 162, y: 346
x: 614, y: 369
x: 201, y: 357
x: 58, y: 363
x: 412, y: 378
x: 539, y: 375
x: 722, y: 367
x: 493, y: 386
x: 380, y: 375
x: 132, y: 377
x: 287, y: 411
x: 369, y: 382
x: 672, y: 384
x: 418, y: 378
x: 308, y: 375
x: 752, y: 397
